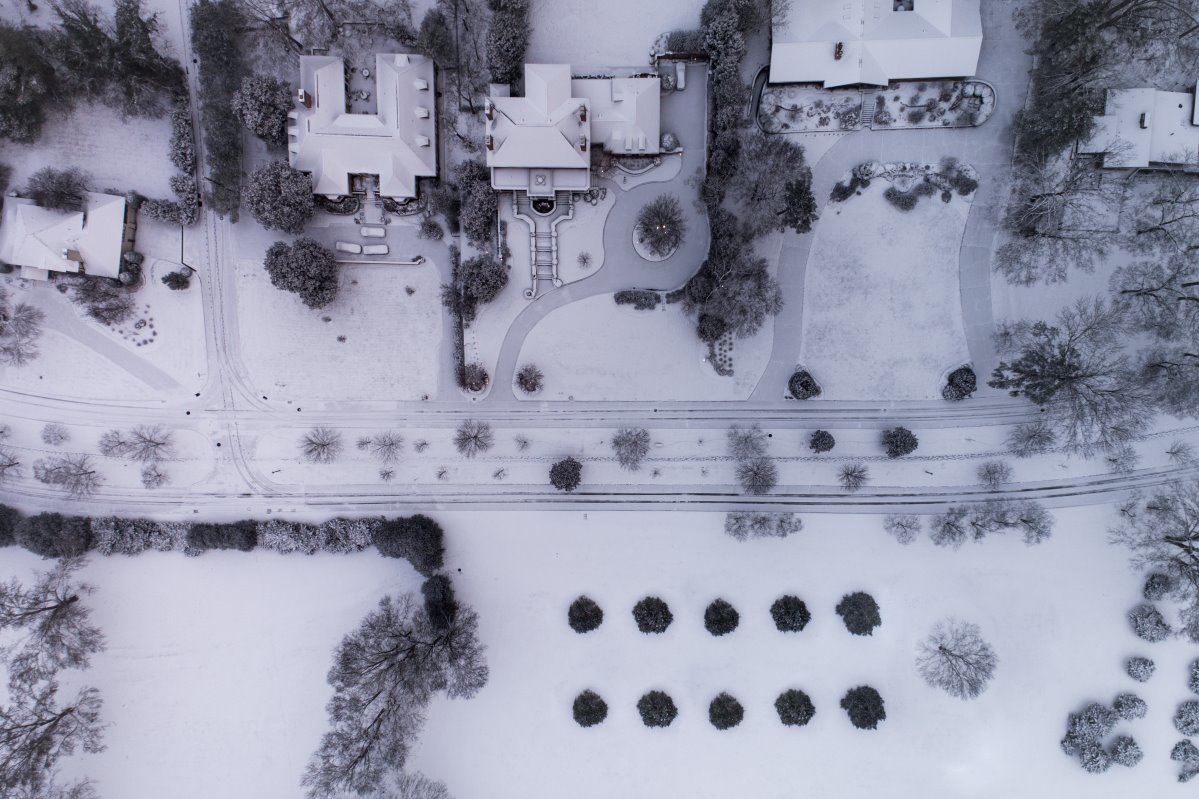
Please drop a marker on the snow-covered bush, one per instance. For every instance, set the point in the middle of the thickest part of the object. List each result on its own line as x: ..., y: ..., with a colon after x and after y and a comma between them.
x: 416, y: 538
x: 960, y: 384
x: 1129, y: 706
x: 903, y: 526
x: 790, y: 614
x: 1140, y: 668
x: 657, y: 709
x: 802, y: 385
x: 721, y: 618
x: 566, y: 474
x: 725, y: 712
x: 120, y: 536
x: 590, y: 709
x: 343, y: 536
x: 860, y: 613
x: 821, y: 441
x: 794, y: 707
x: 529, y: 378
x: 899, y: 441
x: 652, y: 615
x: 1094, y: 758
x: 1193, y: 679
x: 1147, y: 622
x: 1186, y: 753
x: 746, y: 524
x: 1157, y: 585
x: 1126, y: 752
x: 240, y: 535
x: 584, y: 615
x: 864, y: 706
x: 1089, y: 727
x: 1186, y: 718
x: 279, y: 535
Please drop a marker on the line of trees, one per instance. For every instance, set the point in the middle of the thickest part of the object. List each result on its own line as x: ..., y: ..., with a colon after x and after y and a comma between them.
x: 213, y: 24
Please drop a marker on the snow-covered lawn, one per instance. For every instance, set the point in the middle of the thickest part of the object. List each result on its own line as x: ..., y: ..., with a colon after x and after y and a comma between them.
x: 392, y: 341
x: 119, y: 154
x: 882, y: 304
x: 594, y: 349
x: 616, y: 33
x: 60, y: 368
x: 1055, y: 615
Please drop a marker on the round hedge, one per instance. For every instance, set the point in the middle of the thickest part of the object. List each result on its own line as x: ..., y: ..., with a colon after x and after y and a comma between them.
x: 790, y: 614
x: 899, y: 441
x: 657, y: 709
x: 584, y: 615
x: 803, y: 386
x: 864, y: 706
x: 652, y: 615
x: 821, y: 441
x: 794, y: 707
x: 590, y: 709
x: 960, y: 384
x: 725, y: 712
x: 721, y: 618
x: 860, y: 613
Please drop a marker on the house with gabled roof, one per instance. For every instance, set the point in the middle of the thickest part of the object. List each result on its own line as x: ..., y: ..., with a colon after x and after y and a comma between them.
x: 397, y: 143
x: 1146, y: 129
x: 41, y: 240
x: 874, y: 42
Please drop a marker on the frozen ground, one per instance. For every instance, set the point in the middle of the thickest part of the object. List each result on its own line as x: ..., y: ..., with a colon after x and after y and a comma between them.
x: 596, y: 350
x: 615, y: 33
x: 882, y: 305
x: 392, y: 338
x: 195, y: 676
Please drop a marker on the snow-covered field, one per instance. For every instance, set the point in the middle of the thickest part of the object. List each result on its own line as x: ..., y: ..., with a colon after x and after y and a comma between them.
x: 392, y: 346
x: 221, y: 659
x: 616, y: 32
x: 882, y: 304
x: 594, y: 349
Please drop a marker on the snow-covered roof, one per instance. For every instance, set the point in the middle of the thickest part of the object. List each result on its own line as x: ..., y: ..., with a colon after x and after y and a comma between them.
x: 40, y: 240
x: 881, y: 41
x: 625, y: 112
x: 1142, y: 127
x: 398, y: 143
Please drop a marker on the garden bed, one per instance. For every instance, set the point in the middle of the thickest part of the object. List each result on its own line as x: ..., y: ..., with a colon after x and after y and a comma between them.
x: 933, y: 104
x: 799, y: 109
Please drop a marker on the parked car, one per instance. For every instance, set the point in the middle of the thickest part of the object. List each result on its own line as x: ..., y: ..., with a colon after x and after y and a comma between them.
x: 375, y: 249
x: 348, y: 246
x: 372, y: 232
x: 680, y: 76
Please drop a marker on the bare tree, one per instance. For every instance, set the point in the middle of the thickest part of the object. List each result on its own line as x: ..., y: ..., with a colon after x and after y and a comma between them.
x: 1171, y: 376
x: 1181, y: 452
x: 757, y: 475
x: 52, y: 625
x: 321, y: 445
x: 1172, y: 216
x: 853, y: 476
x: 387, y: 446
x: 384, y: 675
x: 154, y: 476
x: 903, y: 526
x: 54, y: 434
x: 1122, y: 459
x: 994, y: 474
x: 1159, y: 296
x: 473, y: 437
x: 746, y: 442
x: 1031, y: 438
x: 35, y: 731
x: 75, y: 473
x: 950, y: 527
x: 10, y: 464
x: 631, y: 445
x: 151, y: 443
x: 956, y: 659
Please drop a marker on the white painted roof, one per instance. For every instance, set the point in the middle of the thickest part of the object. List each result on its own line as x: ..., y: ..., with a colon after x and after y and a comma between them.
x: 35, y: 238
x: 937, y: 38
x: 398, y: 142
x: 625, y: 112
x: 1169, y: 134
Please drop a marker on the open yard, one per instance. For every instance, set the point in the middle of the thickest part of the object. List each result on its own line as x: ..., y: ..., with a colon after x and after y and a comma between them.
x: 194, y: 676
x: 392, y: 338
x: 882, y: 304
x: 617, y: 33
x: 594, y: 349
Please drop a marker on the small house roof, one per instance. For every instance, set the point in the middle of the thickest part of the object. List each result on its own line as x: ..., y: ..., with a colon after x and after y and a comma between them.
x: 36, y: 238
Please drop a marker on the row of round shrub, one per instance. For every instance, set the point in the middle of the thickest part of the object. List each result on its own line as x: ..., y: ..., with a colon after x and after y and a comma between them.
x: 863, y: 705
x: 418, y: 538
x: 858, y: 610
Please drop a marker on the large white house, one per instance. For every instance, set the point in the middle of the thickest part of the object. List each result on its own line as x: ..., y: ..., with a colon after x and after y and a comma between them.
x: 541, y: 143
x: 397, y: 143
x: 848, y: 42
x: 41, y: 241
x: 1146, y: 128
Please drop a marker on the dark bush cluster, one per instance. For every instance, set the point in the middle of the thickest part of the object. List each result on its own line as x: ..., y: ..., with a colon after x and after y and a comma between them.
x: 53, y: 535
x: 721, y: 618
x: 1186, y: 718
x: 960, y: 384
x: 725, y: 712
x: 821, y: 441
x: 1130, y: 706
x: 1148, y: 623
x: 860, y: 613
x: 899, y: 441
x: 241, y: 535
x: 802, y: 385
x: 1140, y: 668
x: 790, y: 614
x: 584, y: 615
x: 1125, y: 752
x: 590, y: 709
x: 907, y: 200
x: 417, y: 538
x: 640, y: 299
x: 566, y: 474
x: 221, y: 71
x: 652, y: 615
x: 1157, y: 585
x: 657, y: 709
x: 1086, y: 730
x: 794, y: 707
x: 1186, y: 753
x: 864, y: 706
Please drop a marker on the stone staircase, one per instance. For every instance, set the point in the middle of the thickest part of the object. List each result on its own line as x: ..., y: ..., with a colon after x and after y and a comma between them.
x: 867, y: 112
x: 543, y: 240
